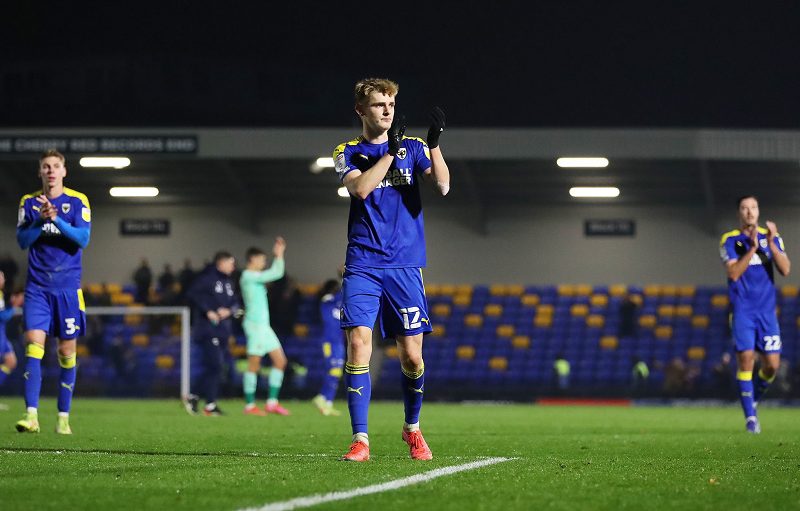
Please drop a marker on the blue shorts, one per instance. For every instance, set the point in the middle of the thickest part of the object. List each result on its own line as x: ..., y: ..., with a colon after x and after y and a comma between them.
x: 397, y: 294
x: 756, y: 331
x: 59, y: 312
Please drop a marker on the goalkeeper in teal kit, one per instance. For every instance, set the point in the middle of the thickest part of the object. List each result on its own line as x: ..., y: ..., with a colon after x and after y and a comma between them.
x: 382, y: 170
x: 261, y: 339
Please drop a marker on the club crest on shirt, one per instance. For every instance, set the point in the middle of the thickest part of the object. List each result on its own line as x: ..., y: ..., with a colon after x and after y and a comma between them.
x: 65, y: 207
x: 401, y: 153
x: 763, y: 242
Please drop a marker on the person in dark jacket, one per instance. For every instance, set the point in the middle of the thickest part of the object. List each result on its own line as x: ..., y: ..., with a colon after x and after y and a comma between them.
x: 214, y: 303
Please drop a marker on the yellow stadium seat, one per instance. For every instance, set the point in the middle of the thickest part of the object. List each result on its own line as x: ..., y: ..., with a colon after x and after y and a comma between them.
x: 579, y: 310
x: 308, y: 289
x: 473, y: 320
x: 696, y: 353
x: 583, y: 290
x: 498, y: 363
x: 498, y: 290
x: 462, y: 300
x: 666, y: 311
x: 122, y: 299
x: 433, y: 290
x: 82, y: 350
x: 300, y: 330
x: 95, y: 289
x: 546, y: 309
x: 530, y: 300
x: 113, y: 288
x: 465, y: 352
x: 438, y: 331
x: 789, y: 291
x: 663, y: 332
x: 598, y: 300
x: 647, y: 321
x: 493, y: 310
x: 505, y: 330
x: 618, y: 290
x: 515, y: 290
x: 669, y: 291
x: 566, y: 290
x: 701, y: 321
x: 448, y: 289
x: 652, y: 290
x: 175, y: 330
x: 609, y: 342
x: 545, y: 321
x: 719, y: 301
x: 595, y: 320
x: 391, y: 352
x: 165, y: 362
x: 521, y: 342
x: 686, y: 291
x: 637, y: 299
x: 441, y: 309
x: 464, y: 289
x: 237, y: 350
x: 140, y: 340
x: 133, y: 320
x: 683, y: 311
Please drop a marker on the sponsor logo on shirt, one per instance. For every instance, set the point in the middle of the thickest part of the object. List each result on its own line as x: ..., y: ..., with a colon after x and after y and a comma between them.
x: 396, y: 177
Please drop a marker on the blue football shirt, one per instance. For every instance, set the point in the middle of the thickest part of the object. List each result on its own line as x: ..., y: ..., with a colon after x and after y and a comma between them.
x: 54, y: 260
x: 754, y: 291
x: 386, y: 229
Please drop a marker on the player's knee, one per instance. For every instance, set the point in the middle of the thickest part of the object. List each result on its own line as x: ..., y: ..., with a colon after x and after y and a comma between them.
x: 412, y: 361
x: 66, y: 351
x: 770, y: 369
x: 10, y: 362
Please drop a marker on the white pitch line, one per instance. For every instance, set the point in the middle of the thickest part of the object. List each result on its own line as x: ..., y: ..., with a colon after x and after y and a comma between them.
x: 313, y: 500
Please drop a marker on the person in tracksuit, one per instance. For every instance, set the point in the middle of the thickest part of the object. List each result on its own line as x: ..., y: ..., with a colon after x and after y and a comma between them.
x: 214, y: 303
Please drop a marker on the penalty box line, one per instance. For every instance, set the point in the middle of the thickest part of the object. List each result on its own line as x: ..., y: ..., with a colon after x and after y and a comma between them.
x: 313, y: 500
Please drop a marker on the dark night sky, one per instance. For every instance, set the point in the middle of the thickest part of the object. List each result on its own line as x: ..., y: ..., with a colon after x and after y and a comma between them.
x: 559, y: 63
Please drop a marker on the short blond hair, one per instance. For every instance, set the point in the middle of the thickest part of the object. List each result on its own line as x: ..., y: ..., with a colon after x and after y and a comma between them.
x: 51, y: 152
x: 367, y: 86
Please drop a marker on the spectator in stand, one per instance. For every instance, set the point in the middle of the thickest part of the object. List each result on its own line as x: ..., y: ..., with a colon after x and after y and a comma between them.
x: 627, y: 317
x: 561, y: 370
x: 143, y: 279
x: 166, y: 279
x: 185, y: 277
x: 675, y: 377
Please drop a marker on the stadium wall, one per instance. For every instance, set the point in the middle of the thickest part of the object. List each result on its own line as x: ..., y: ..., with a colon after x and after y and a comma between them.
x: 520, y: 244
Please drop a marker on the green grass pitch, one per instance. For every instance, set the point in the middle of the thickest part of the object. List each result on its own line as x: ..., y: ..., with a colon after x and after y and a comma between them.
x: 135, y: 454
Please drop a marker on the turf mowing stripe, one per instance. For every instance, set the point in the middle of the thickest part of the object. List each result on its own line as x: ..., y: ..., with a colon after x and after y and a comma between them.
x: 313, y: 500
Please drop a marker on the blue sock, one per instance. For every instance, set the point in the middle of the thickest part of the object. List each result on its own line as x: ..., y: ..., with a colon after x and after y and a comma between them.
x: 331, y: 383
x: 413, y: 388
x: 359, y: 391
x: 33, y: 374
x: 66, y: 383
x: 4, y: 372
x: 760, y: 385
x: 745, y: 381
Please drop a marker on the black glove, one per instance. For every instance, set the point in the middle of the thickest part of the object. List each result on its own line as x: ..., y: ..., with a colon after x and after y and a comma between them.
x: 396, y: 132
x: 437, y: 127
x: 361, y: 162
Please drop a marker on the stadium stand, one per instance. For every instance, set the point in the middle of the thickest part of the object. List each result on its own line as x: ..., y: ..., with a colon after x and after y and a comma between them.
x: 486, y: 339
